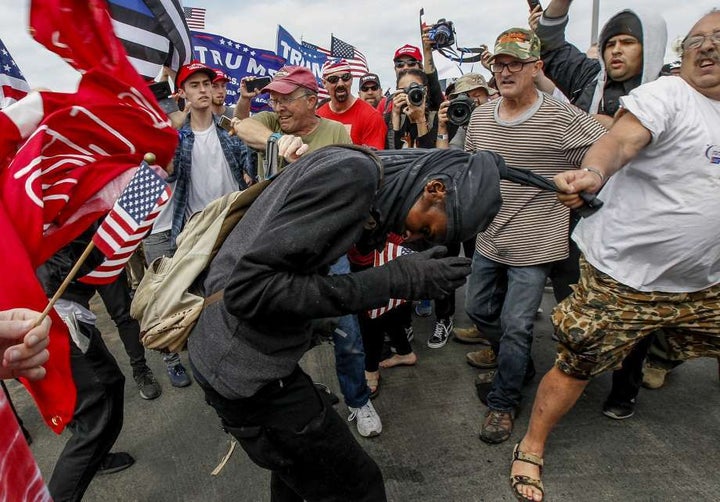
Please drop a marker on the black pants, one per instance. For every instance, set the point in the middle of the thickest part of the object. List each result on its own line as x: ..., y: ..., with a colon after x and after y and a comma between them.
x: 288, y: 428
x: 373, y: 332
x: 116, y: 297
x: 97, y: 420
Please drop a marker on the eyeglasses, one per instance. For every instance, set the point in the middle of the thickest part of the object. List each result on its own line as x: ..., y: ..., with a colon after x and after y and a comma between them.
x: 410, y: 64
x: 696, y: 41
x: 513, y: 66
x: 369, y: 88
x: 333, y: 79
x: 285, y: 101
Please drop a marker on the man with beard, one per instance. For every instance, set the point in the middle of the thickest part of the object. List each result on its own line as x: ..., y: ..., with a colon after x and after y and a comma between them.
x: 651, y: 254
x: 364, y: 124
x: 270, y: 278
x: 369, y: 89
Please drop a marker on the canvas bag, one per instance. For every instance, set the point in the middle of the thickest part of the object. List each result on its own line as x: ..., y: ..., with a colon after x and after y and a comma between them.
x: 168, y: 300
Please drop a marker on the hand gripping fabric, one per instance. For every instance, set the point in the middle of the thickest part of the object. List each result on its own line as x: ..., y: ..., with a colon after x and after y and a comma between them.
x: 167, y: 302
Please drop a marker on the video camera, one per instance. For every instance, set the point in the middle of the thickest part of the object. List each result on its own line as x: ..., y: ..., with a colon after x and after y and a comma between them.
x: 460, y: 109
x: 442, y: 34
x: 415, y: 93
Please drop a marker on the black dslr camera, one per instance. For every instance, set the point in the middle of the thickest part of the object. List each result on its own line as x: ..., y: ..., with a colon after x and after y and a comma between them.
x: 415, y: 94
x: 460, y: 109
x: 442, y: 34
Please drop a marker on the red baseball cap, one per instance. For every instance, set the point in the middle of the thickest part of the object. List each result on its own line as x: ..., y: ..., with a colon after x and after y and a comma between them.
x: 220, y: 76
x: 289, y: 78
x: 409, y: 51
x: 188, y: 70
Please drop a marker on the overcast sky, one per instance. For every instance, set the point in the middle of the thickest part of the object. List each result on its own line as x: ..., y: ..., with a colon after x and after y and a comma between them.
x: 375, y: 27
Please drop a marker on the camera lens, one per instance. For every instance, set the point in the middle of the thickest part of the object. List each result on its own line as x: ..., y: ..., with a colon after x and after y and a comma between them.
x: 460, y: 109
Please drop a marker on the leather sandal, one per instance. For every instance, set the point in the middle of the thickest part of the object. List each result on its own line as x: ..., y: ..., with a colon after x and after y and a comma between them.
x: 518, y: 479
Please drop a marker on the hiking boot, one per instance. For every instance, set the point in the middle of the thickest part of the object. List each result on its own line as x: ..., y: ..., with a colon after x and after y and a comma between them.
x: 484, y: 359
x: 423, y: 308
x: 147, y: 385
x: 178, y: 376
x: 470, y: 335
x: 115, y: 462
x: 654, y: 375
x: 441, y: 333
x: 619, y: 411
x: 483, y: 384
x: 497, y: 427
x: 368, y: 421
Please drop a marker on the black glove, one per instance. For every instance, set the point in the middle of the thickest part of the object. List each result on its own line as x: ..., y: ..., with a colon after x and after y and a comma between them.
x: 420, y: 276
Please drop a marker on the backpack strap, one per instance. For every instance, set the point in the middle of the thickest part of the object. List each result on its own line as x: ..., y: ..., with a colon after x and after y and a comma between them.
x: 214, y: 298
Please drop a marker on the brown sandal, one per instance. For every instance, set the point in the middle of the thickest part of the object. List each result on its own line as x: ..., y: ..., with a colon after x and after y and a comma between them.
x: 518, y: 479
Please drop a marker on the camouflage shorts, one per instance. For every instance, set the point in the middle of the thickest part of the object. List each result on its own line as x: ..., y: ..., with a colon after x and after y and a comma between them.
x: 602, y: 320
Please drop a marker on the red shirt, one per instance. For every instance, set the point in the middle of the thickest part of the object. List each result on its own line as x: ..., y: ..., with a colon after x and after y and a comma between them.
x: 363, y: 122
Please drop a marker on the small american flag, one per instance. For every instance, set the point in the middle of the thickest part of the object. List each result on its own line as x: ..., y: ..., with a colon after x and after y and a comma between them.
x: 390, y: 252
x: 128, y: 221
x: 195, y: 17
x: 357, y: 60
x: 13, y: 85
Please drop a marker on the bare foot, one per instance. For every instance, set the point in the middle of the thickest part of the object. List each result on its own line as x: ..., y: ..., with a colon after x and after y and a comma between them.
x: 398, y: 360
x: 373, y: 380
x: 520, y: 468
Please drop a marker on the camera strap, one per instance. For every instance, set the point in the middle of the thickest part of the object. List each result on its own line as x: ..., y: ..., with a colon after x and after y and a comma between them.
x: 462, y: 58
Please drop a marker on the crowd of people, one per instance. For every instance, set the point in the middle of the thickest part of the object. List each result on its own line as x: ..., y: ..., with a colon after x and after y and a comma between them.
x: 417, y: 174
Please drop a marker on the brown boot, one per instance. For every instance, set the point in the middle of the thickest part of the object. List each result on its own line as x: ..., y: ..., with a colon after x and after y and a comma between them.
x: 483, y: 359
x: 470, y: 335
x: 497, y: 427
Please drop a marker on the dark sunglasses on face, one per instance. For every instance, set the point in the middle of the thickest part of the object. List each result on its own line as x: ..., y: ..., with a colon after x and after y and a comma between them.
x: 369, y: 88
x: 403, y: 64
x: 333, y: 79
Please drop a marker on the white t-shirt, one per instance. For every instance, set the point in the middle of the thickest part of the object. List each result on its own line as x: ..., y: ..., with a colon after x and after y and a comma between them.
x: 210, y: 176
x: 659, y: 229
x: 164, y: 219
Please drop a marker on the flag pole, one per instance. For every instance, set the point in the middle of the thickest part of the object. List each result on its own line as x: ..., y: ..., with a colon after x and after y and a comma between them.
x: 150, y: 159
x: 65, y: 283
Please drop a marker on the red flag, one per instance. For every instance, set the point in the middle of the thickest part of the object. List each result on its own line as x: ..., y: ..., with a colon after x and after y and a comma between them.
x: 130, y: 220
x: 73, y: 162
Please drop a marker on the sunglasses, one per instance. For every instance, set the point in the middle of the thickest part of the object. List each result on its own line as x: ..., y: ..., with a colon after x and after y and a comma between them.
x: 409, y: 64
x: 369, y: 88
x: 333, y: 79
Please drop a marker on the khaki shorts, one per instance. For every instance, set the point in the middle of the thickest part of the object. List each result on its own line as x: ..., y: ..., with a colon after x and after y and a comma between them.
x: 600, y: 323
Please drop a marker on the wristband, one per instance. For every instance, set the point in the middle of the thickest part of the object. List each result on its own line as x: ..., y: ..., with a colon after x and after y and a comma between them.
x: 595, y: 171
x: 274, y: 137
x: 444, y: 137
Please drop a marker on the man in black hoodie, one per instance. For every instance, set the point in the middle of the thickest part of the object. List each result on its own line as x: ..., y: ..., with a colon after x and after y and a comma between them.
x: 632, y: 47
x: 273, y: 268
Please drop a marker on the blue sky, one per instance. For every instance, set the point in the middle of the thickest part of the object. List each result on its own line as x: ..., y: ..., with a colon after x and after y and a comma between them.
x: 375, y: 27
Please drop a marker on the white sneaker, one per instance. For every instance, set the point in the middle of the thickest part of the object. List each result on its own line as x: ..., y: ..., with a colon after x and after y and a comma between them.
x: 368, y: 421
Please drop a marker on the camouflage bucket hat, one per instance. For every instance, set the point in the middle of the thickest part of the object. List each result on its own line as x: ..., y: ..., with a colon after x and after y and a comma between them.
x: 517, y: 42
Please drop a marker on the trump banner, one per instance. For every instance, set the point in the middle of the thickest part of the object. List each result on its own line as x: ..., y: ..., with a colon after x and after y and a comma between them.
x: 298, y: 54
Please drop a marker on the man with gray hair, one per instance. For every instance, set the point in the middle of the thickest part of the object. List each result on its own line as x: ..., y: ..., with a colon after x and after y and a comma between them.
x: 651, y: 255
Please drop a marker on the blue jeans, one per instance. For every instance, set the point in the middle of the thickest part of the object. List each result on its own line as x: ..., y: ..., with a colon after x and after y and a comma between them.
x: 349, y: 352
x: 502, y: 301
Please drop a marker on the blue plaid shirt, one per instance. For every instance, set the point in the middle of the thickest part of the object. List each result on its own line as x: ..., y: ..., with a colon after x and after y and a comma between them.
x: 236, y: 155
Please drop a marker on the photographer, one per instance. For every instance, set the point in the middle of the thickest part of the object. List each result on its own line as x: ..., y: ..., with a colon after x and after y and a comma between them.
x: 410, y: 123
x: 470, y: 91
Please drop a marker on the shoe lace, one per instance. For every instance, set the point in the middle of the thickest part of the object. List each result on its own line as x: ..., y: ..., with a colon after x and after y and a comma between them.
x: 496, y: 418
x: 364, y: 411
x: 440, y: 330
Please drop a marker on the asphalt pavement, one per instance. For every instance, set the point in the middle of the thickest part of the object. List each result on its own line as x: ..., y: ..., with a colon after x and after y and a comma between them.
x: 429, y: 448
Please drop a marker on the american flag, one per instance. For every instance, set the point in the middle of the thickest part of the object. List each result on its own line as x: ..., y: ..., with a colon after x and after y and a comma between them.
x: 390, y: 252
x: 322, y: 92
x: 126, y: 224
x: 13, y: 85
x: 154, y: 33
x: 195, y: 18
x: 357, y: 60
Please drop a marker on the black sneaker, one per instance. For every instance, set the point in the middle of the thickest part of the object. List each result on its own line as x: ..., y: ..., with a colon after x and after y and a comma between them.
x: 619, y: 411
x: 178, y: 376
x: 115, y: 462
x: 147, y: 385
x: 327, y: 393
x: 441, y: 333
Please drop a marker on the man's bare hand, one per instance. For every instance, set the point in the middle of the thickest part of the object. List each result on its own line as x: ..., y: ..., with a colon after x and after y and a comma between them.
x: 291, y: 147
x: 571, y: 183
x: 23, y: 348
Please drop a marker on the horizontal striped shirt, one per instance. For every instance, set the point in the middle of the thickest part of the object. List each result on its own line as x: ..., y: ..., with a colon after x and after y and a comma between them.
x: 532, y: 225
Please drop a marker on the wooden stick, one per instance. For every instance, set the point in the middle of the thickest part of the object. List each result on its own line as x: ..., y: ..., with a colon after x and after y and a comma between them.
x: 65, y: 283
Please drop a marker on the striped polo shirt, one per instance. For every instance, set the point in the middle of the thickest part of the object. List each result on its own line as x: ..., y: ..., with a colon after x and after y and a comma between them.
x: 532, y: 225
